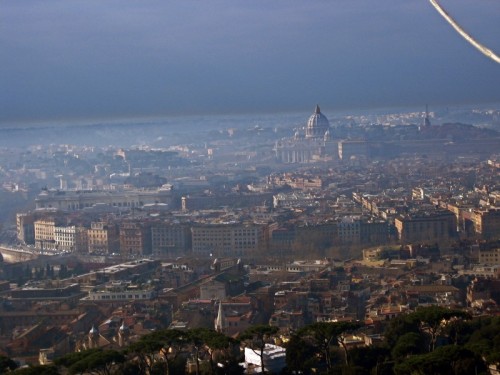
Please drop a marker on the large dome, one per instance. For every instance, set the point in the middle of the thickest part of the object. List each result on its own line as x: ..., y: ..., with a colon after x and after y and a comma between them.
x: 317, y: 125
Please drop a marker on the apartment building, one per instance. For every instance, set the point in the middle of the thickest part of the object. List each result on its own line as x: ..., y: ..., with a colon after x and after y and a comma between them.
x: 71, y: 238
x: 103, y: 238
x: 228, y: 239
x: 135, y: 239
x: 170, y: 239
x: 487, y: 223
x: 439, y: 226
x: 45, y: 234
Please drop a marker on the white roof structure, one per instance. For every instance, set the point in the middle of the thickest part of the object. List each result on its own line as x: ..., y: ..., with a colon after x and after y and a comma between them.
x: 274, y: 359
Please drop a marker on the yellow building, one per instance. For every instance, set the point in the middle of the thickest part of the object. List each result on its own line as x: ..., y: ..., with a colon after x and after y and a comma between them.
x: 44, y: 234
x: 426, y: 227
x: 103, y: 238
x: 487, y: 223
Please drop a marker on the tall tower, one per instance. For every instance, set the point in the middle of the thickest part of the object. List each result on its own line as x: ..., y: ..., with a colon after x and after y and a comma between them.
x: 93, y: 338
x: 123, y: 334
x: 220, y: 321
x: 427, y: 121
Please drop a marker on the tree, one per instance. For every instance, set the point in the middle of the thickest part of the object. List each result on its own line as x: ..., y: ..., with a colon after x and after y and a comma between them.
x: 165, y: 342
x: 38, y: 370
x: 196, y: 338
x: 299, y: 355
x: 27, y: 272
x: 256, y: 338
x: 324, y: 335
x: 445, y: 360
x: 38, y: 273
x: 63, y: 271
x: 6, y: 364
x: 230, y: 367
x: 400, y: 326
x: 48, y: 271
x: 130, y: 368
x: 212, y: 343
x: 433, y: 320
x: 100, y: 362
x: 483, y: 337
x: 369, y: 358
x: 455, y: 328
x: 78, y: 269
x: 71, y: 358
x: 409, y: 343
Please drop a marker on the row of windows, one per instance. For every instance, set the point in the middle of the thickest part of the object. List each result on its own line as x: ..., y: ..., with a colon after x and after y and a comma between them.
x: 436, y: 232
x: 427, y: 225
x: 120, y: 296
x: 76, y: 206
x: 159, y: 237
x: 218, y: 236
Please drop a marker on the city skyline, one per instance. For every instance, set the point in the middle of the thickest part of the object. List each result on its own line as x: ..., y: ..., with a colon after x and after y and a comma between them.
x: 84, y: 60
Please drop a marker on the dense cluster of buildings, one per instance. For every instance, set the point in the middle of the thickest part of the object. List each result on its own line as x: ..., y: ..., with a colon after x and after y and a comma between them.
x: 283, y: 214
x: 113, y: 306
x: 335, y: 223
x: 319, y: 142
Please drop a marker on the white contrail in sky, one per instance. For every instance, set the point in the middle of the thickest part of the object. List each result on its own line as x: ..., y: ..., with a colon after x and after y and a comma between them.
x: 485, y: 51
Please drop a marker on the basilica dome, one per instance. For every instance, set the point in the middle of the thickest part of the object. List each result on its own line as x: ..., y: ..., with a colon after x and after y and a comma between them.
x: 317, y: 125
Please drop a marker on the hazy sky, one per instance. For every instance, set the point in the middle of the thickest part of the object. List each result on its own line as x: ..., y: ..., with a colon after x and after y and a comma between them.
x: 62, y: 59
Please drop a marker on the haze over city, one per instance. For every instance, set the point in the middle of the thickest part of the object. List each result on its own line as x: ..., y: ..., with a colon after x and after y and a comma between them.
x: 249, y: 187
x: 119, y: 59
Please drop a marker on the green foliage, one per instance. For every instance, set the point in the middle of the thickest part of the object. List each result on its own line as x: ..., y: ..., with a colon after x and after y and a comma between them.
x: 63, y: 271
x: 159, y: 368
x: 130, y: 368
x: 38, y: 370
x: 94, y: 360
x: 408, y: 344
x: 445, y: 360
x: 398, y: 327
x: 259, y: 331
x: 485, y: 338
x: 100, y: 362
x: 6, y: 364
x: 72, y: 358
x: 433, y: 320
x: 463, y: 347
x: 256, y: 337
x: 324, y: 335
x: 230, y: 367
x: 158, y: 352
x: 163, y: 341
x: 429, y: 322
x: 78, y: 269
x: 208, y: 342
x: 300, y: 355
x: 369, y: 357
x: 434, y: 315
x: 177, y: 366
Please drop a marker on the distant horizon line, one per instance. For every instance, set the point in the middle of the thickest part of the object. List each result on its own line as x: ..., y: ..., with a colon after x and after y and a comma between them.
x: 330, y: 113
